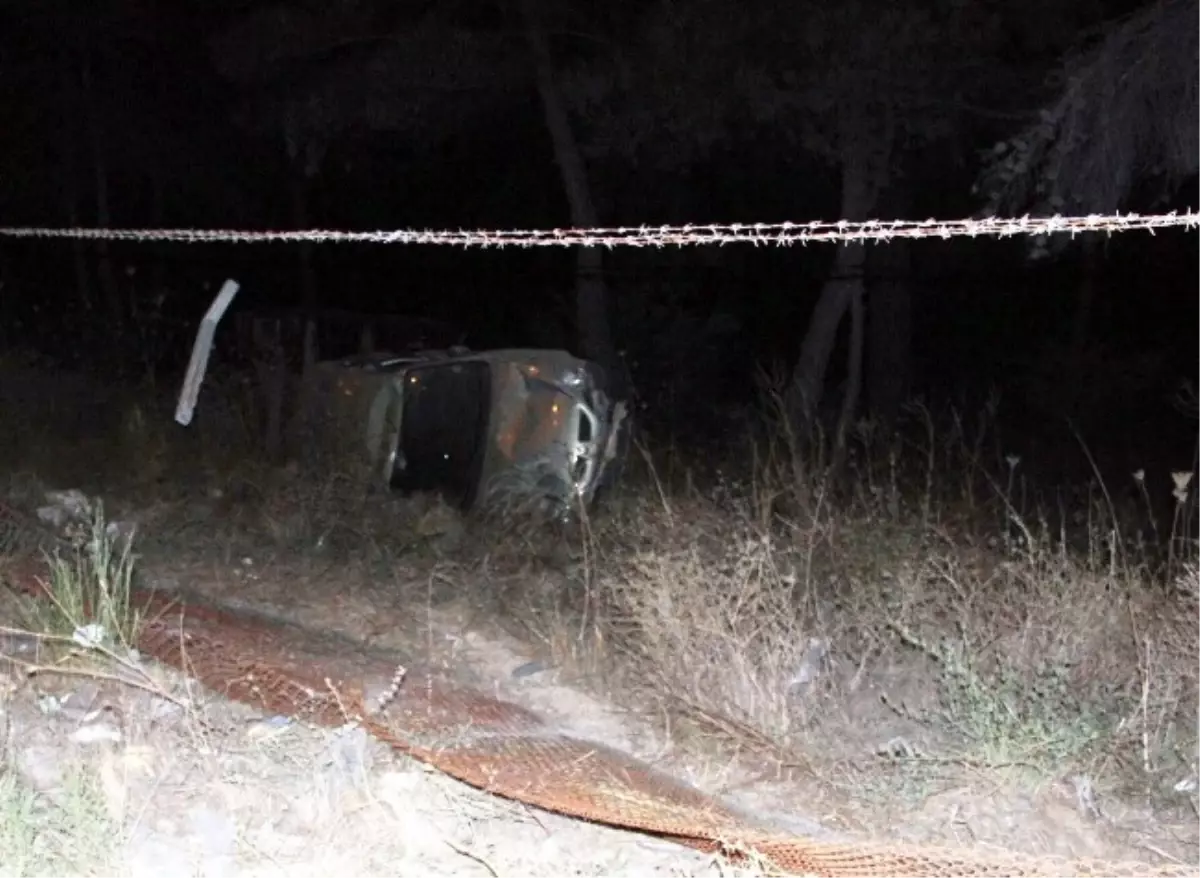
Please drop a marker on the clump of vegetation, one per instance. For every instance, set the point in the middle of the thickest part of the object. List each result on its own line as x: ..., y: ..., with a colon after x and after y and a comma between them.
x: 89, y: 592
x: 759, y: 608
x: 69, y: 833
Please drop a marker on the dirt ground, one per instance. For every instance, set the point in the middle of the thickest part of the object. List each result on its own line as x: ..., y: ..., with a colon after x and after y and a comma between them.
x: 99, y: 776
x: 109, y: 779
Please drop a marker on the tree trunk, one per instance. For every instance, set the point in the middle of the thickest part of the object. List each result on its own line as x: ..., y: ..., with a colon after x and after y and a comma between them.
x: 1091, y: 264
x: 304, y: 152
x: 147, y: 297
x: 70, y: 176
x: 889, y: 355
x: 808, y: 378
x: 595, y: 336
x: 306, y: 274
x: 854, y: 360
x: 104, y: 265
x: 889, y: 315
x: 865, y: 146
x: 158, y: 214
x: 845, y: 283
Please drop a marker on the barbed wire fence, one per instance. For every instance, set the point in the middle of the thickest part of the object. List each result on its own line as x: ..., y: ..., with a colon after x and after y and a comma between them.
x: 759, y: 234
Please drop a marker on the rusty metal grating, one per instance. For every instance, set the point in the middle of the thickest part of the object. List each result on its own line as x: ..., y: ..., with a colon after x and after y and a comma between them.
x: 509, y: 751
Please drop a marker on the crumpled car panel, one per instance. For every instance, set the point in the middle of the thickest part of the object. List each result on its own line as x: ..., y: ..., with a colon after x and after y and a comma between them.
x: 486, y: 428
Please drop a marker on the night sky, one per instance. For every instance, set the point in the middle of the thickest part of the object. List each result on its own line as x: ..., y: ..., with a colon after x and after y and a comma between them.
x: 373, y: 115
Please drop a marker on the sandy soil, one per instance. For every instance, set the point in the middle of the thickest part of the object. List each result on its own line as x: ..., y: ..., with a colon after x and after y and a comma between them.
x: 115, y: 780
x: 98, y: 777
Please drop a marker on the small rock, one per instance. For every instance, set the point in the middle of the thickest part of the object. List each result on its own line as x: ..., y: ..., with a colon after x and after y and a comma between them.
x: 350, y: 754
x: 269, y: 727
x: 528, y: 669
x: 94, y: 733
x: 217, y: 836
x: 154, y: 853
x: 90, y: 636
x: 163, y: 708
x: 39, y: 766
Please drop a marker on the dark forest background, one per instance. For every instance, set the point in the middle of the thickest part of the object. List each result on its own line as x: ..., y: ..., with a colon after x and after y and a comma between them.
x: 364, y: 115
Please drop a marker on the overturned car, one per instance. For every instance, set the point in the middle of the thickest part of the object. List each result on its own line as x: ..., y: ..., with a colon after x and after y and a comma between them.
x: 494, y: 429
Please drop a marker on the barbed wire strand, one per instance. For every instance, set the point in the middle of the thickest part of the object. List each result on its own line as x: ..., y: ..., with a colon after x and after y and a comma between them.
x: 759, y: 234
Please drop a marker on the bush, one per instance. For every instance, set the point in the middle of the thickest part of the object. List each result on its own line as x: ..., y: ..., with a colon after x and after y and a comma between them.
x: 735, y: 603
x: 90, y: 588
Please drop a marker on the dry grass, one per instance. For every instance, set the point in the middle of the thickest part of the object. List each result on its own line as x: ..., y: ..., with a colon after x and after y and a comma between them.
x: 70, y: 833
x: 763, y: 605
x: 921, y: 609
x: 762, y: 611
x: 89, y: 590
x: 114, y: 767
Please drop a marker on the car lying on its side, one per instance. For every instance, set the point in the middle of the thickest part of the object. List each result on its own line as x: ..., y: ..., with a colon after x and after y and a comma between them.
x: 484, y: 428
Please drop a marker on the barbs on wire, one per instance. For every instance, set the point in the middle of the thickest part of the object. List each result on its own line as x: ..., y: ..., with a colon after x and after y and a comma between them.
x: 758, y: 234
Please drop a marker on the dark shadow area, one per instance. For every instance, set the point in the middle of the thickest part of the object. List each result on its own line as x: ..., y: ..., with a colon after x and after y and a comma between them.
x: 444, y: 430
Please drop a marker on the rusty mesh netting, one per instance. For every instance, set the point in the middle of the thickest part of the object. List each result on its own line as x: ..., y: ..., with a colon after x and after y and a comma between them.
x: 509, y: 751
